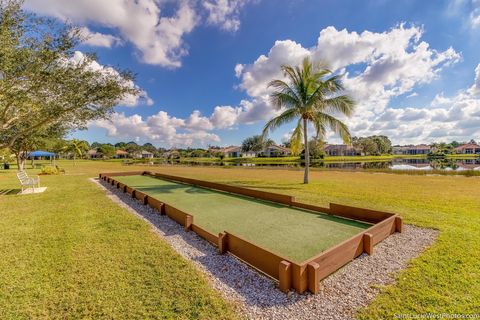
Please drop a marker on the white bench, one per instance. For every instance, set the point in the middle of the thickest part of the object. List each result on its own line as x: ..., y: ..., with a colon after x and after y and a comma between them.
x: 27, y: 181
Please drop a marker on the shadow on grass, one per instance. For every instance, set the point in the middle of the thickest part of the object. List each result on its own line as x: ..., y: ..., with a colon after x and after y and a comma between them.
x: 9, y: 192
x: 254, y: 288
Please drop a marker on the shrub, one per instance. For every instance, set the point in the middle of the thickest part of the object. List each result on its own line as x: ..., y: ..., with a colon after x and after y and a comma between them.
x: 49, y: 170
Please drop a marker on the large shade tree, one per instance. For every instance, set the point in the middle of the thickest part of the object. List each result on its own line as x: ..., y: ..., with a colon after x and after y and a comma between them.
x: 255, y: 143
x: 43, y: 82
x: 310, y: 95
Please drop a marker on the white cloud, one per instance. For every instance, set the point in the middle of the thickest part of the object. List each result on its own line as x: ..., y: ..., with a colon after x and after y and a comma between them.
x: 475, y: 14
x: 377, y: 67
x: 225, y: 116
x: 224, y: 13
x: 475, y: 89
x: 96, y: 39
x: 159, y: 39
x: 129, y: 100
x: 196, y: 122
x: 157, y: 36
x: 159, y: 128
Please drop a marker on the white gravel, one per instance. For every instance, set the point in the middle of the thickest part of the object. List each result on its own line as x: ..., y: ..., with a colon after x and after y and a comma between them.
x: 257, y: 297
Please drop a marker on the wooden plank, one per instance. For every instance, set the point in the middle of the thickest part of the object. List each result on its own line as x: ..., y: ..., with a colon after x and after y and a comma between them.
x: 311, y: 207
x: 129, y: 190
x: 155, y: 203
x: 258, y: 257
x: 142, y: 197
x: 334, y: 258
x: 361, y: 214
x: 382, y: 229
x: 213, y: 239
x: 175, y: 214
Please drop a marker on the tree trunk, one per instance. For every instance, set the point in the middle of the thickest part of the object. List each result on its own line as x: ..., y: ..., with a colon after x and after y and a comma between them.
x: 74, y: 160
x: 307, y: 151
x: 19, y: 161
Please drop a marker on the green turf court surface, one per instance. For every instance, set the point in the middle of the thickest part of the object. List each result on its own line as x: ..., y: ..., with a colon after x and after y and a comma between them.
x: 295, y: 234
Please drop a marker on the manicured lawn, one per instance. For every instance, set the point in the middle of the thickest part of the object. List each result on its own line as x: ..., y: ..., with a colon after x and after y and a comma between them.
x: 291, y: 233
x: 446, y: 278
x: 60, y: 260
x: 71, y: 253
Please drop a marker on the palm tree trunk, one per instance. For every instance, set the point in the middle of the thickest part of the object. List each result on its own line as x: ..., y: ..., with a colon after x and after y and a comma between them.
x: 307, y: 151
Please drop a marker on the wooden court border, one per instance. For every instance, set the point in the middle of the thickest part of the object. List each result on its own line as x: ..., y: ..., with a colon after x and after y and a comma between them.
x: 290, y: 275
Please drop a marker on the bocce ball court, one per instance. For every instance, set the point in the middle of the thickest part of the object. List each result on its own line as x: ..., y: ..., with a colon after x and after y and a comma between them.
x: 295, y: 243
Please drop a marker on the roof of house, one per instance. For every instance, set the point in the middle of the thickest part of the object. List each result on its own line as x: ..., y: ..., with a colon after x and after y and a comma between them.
x: 468, y: 146
x: 277, y: 147
x: 92, y: 152
x: 338, y: 146
x: 146, y: 152
x: 231, y: 149
x: 121, y: 152
x: 420, y: 147
x: 417, y: 147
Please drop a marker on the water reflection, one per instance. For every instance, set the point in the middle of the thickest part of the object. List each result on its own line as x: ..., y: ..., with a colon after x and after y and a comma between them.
x: 396, y: 164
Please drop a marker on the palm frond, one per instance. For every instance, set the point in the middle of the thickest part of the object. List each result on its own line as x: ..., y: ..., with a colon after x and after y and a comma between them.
x: 285, y: 117
x: 296, y: 138
x: 334, y: 124
x: 342, y: 104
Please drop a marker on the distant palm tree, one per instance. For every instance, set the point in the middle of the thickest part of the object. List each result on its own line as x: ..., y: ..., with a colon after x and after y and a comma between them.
x: 310, y: 97
x: 77, y: 148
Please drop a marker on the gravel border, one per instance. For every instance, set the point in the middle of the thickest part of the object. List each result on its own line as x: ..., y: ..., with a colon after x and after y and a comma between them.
x: 256, y: 295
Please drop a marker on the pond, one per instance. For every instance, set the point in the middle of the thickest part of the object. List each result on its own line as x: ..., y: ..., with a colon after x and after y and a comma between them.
x: 400, y: 164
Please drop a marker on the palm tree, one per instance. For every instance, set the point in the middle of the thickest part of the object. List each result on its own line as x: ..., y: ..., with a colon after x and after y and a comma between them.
x: 310, y: 97
x: 77, y: 148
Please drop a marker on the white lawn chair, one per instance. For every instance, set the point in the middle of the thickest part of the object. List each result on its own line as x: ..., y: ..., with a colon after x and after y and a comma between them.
x: 27, y: 181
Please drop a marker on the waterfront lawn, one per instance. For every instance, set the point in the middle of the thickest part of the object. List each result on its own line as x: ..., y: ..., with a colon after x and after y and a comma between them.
x: 58, y: 259
x: 444, y: 279
x: 71, y: 253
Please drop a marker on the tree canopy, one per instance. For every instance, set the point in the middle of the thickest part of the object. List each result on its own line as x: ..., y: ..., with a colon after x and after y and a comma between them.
x: 255, y: 143
x: 44, y: 82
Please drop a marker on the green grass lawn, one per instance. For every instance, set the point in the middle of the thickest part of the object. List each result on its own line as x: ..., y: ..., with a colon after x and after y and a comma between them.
x: 71, y: 253
x: 291, y: 233
x: 446, y: 278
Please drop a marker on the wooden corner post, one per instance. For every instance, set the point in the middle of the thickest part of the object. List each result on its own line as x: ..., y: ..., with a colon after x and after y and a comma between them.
x: 399, y: 224
x: 285, y: 276
x: 368, y: 243
x: 188, y: 222
x: 313, y: 280
x: 222, y: 242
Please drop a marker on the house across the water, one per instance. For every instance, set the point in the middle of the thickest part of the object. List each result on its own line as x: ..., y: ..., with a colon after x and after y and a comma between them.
x: 144, y: 154
x: 412, y: 149
x: 341, y: 150
x: 270, y: 151
x: 275, y: 151
x: 121, y: 154
x: 469, y: 148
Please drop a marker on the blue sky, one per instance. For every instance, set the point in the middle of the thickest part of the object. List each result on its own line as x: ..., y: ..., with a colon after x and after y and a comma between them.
x: 203, y: 65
